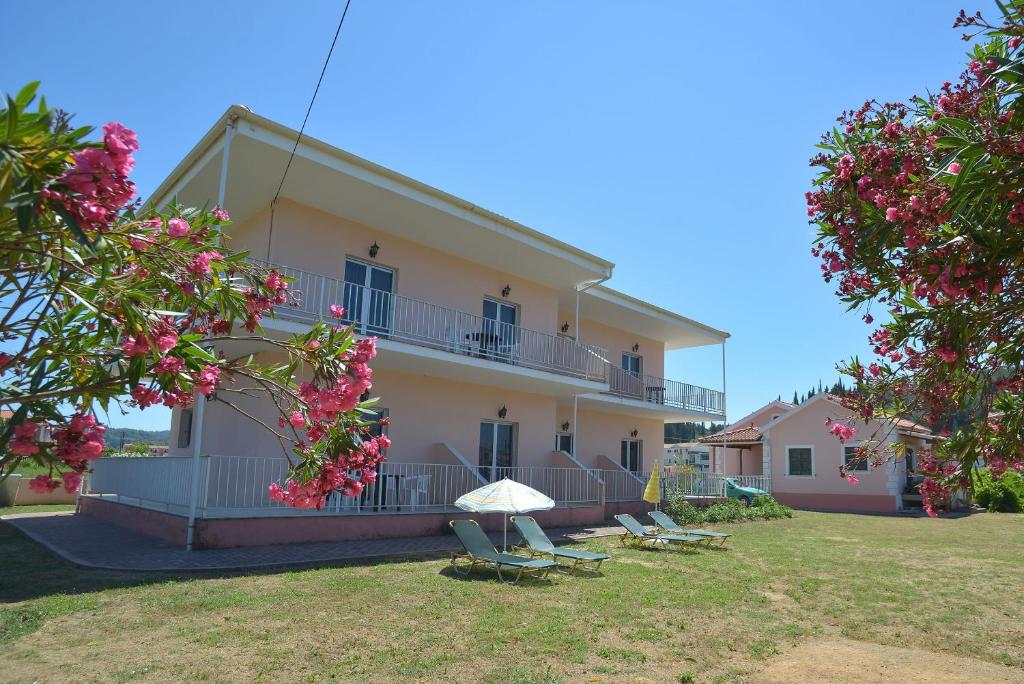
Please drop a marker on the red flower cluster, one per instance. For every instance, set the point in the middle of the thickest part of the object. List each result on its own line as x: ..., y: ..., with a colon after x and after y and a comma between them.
x: 98, y: 181
x: 76, y: 445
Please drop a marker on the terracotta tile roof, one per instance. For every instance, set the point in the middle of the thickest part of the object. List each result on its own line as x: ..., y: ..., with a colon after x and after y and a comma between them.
x: 739, y: 435
x: 911, y: 426
x: 5, y: 414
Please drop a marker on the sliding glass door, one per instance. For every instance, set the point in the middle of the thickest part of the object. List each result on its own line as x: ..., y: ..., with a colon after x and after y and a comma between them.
x: 367, y: 298
x: 497, y: 449
x: 499, y: 334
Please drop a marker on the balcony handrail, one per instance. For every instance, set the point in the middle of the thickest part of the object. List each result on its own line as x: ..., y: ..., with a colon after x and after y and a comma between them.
x: 406, y: 319
x: 655, y: 390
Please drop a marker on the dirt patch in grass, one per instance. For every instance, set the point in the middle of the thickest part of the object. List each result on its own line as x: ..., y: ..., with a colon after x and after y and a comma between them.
x: 843, y: 660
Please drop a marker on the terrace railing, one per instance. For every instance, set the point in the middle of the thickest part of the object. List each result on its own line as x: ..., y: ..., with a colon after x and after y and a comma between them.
x: 236, y: 486
x: 656, y: 390
x: 396, y: 317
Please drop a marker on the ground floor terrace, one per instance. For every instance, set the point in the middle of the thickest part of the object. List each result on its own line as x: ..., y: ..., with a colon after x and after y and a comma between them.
x: 817, y: 598
x: 591, y: 452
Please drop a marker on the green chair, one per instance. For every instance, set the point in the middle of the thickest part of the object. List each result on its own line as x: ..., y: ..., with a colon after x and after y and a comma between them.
x: 669, y: 525
x: 538, y: 544
x: 639, y: 533
x: 480, y: 551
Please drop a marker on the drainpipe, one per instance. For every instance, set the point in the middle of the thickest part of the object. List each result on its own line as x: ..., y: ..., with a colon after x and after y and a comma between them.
x: 199, y: 410
x: 725, y: 424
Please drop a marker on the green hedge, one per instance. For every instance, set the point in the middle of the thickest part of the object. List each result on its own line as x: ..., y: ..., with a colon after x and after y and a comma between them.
x: 1005, y: 495
x: 730, y: 510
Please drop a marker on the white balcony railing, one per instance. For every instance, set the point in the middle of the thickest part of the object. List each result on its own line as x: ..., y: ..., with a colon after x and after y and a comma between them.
x: 391, y: 316
x: 623, y: 383
x: 236, y: 486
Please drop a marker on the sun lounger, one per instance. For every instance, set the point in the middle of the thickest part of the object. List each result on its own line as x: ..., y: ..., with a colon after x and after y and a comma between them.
x: 669, y: 526
x: 480, y: 551
x: 538, y: 544
x: 638, y: 532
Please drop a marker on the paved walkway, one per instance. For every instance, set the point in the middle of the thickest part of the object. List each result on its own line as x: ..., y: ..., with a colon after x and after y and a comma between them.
x: 93, y: 543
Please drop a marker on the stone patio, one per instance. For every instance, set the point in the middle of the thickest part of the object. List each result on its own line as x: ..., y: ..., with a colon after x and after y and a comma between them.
x: 93, y: 543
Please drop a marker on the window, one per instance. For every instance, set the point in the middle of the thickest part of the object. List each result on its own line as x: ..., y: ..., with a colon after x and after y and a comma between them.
x: 497, y: 449
x: 563, y: 442
x: 908, y: 454
x: 800, y: 461
x: 632, y: 454
x: 367, y: 297
x: 185, y: 428
x: 852, y: 461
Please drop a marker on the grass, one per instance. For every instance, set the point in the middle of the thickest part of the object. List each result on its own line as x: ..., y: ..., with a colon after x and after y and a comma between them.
x: 946, y: 586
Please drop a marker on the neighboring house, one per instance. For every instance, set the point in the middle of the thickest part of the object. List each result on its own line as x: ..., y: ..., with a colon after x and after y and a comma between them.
x: 501, y: 351
x: 791, y: 445
x: 693, y: 455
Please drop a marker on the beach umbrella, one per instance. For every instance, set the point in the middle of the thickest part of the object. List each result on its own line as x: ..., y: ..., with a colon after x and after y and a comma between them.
x: 504, y: 496
x: 652, y: 492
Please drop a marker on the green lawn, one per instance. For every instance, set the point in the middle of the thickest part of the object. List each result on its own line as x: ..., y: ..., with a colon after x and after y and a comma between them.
x: 952, y: 587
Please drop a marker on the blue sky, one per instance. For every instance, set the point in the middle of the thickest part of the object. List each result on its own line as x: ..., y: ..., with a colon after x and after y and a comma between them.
x: 671, y: 138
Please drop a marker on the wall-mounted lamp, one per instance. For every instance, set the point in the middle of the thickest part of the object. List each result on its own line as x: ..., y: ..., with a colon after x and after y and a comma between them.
x: 565, y: 326
x: 565, y: 426
x: 634, y: 433
x: 374, y: 248
x: 636, y: 347
x: 505, y: 290
x: 502, y: 412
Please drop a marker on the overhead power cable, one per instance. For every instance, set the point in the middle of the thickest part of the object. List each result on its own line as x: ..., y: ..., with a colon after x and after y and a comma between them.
x: 302, y: 129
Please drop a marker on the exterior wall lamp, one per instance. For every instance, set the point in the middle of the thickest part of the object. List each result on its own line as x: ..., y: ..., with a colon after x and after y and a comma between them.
x: 505, y: 290
x: 636, y: 347
x: 634, y: 433
x: 374, y: 248
x: 565, y: 326
x: 502, y: 412
x: 565, y: 426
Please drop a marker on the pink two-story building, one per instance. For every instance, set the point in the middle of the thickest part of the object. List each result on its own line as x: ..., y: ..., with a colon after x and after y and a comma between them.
x: 502, y: 352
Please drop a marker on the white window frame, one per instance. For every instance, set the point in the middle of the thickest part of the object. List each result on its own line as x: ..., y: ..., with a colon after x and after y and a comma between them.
x: 639, y: 453
x: 814, y: 470
x: 842, y: 457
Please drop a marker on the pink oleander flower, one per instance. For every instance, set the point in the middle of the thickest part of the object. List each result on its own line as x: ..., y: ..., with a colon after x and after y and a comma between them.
x: 875, y: 369
x: 166, y: 341
x: 207, y: 380
x: 947, y: 355
x: 200, y: 266
x: 852, y: 479
x: 892, y: 214
x: 24, y: 441
x: 43, y: 484
x: 220, y: 214
x: 954, y: 168
x: 337, y: 311
x: 842, y: 431
x: 72, y: 482
x: 177, y: 227
x: 136, y: 345
x: 170, y: 365
x: 297, y: 420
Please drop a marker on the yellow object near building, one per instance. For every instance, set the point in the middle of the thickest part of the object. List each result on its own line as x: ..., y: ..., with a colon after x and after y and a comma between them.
x: 652, y: 492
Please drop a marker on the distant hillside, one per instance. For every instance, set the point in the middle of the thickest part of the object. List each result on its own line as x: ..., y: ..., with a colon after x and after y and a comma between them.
x: 119, y: 437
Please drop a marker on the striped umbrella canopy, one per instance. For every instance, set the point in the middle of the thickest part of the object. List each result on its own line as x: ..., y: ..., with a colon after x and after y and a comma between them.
x: 505, y: 496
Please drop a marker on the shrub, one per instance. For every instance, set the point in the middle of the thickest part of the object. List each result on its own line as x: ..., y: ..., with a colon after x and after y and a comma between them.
x: 730, y: 510
x: 1003, y: 495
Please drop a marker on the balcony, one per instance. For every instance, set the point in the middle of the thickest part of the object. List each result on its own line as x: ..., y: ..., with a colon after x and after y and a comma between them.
x: 390, y: 316
x: 665, y: 393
